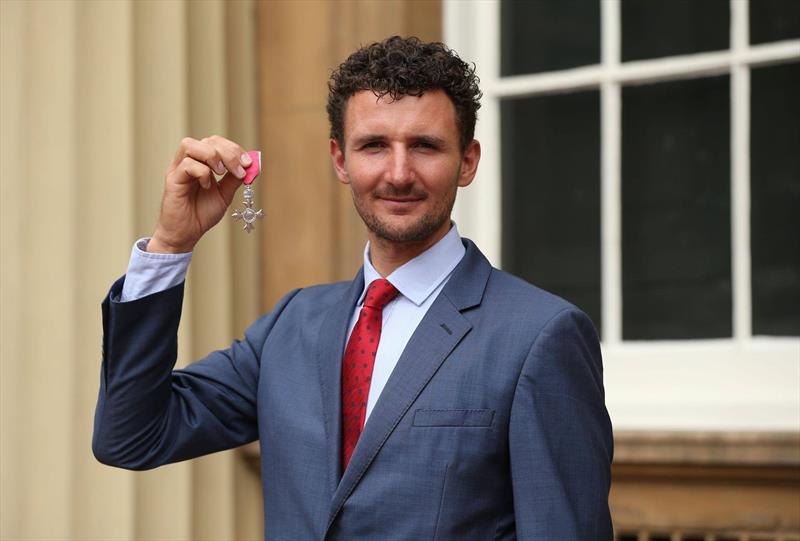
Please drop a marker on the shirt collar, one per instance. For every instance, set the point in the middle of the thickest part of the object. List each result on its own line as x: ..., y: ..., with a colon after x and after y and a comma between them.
x: 418, y: 278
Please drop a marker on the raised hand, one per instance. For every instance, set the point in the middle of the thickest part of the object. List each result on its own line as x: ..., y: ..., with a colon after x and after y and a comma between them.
x: 194, y: 201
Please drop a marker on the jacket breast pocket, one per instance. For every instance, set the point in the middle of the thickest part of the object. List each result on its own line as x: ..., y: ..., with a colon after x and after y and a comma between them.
x: 453, y: 417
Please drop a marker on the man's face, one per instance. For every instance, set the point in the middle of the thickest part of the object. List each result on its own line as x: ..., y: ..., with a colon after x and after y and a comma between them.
x: 403, y: 163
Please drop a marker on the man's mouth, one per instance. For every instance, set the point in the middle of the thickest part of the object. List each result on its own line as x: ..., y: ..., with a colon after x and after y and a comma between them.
x: 400, y: 205
x: 393, y: 196
x: 402, y: 199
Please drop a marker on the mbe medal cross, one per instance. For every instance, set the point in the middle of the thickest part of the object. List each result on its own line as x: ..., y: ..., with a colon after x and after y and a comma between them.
x: 248, y: 215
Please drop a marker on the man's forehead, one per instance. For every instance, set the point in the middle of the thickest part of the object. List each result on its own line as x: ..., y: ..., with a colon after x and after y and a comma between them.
x: 367, y: 110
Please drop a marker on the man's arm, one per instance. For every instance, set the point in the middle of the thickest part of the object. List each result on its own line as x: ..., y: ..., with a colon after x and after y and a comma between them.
x: 560, y: 436
x: 149, y: 414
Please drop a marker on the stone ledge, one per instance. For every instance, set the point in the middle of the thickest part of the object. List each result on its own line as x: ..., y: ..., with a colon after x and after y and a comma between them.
x: 708, y: 448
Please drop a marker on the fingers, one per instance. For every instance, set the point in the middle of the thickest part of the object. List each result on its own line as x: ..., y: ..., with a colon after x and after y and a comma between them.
x: 216, y: 152
x: 233, y: 156
x: 191, y: 169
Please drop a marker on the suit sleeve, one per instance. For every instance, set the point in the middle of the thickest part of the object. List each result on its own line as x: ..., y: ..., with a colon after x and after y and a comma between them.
x: 149, y: 414
x: 560, y: 437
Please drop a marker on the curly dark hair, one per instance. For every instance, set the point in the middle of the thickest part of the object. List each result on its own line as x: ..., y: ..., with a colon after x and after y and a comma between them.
x: 400, y: 67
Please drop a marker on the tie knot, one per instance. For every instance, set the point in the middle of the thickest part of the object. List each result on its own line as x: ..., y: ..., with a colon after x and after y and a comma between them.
x: 380, y: 293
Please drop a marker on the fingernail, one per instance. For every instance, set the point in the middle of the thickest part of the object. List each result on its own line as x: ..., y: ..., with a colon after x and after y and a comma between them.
x: 240, y: 172
x: 219, y: 168
x: 245, y: 159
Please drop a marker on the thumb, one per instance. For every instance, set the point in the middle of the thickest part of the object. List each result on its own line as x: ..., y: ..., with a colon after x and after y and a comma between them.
x: 228, y: 186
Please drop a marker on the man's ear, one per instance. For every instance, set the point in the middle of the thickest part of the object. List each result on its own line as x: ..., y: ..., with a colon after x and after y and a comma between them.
x: 337, y: 158
x: 469, y: 163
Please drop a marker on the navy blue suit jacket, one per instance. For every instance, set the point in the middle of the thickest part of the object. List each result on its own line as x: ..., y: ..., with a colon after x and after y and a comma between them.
x: 492, y: 425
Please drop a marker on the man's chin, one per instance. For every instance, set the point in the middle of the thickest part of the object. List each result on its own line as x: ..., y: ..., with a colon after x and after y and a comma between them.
x: 405, y: 233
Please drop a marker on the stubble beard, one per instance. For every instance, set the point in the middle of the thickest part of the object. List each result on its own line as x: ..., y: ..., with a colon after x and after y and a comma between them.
x: 420, y: 230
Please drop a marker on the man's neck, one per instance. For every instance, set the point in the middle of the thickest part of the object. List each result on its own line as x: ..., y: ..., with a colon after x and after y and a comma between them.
x: 386, y: 255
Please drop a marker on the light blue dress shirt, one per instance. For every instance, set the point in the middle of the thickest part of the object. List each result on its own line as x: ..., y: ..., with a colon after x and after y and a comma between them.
x: 419, y: 282
x: 150, y: 273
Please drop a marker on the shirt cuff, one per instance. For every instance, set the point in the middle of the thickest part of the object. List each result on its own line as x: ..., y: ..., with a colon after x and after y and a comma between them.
x: 150, y: 273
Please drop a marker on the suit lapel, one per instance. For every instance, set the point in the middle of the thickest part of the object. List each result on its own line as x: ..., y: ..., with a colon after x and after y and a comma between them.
x: 438, y: 333
x: 332, y: 336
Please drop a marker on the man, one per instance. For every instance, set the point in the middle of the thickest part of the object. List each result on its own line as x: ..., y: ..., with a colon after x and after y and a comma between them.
x: 433, y: 397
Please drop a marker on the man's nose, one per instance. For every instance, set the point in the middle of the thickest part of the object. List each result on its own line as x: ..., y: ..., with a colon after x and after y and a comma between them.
x: 400, y: 170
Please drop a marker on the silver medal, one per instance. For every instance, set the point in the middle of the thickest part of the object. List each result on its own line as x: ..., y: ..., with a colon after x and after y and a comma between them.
x: 248, y: 215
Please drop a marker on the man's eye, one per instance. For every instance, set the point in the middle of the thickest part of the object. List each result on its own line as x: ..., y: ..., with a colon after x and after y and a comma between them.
x: 425, y: 145
x: 373, y: 144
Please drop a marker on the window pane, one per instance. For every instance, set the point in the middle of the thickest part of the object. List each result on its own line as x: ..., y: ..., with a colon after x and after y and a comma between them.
x: 656, y: 28
x: 548, y: 35
x: 676, y: 256
x: 551, y: 194
x: 773, y: 20
x: 775, y: 199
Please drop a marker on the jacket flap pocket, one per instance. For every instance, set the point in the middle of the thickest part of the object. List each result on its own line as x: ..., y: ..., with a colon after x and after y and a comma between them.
x: 465, y: 417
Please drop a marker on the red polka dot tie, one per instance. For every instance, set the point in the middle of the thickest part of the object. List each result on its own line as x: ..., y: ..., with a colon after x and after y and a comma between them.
x: 358, y: 362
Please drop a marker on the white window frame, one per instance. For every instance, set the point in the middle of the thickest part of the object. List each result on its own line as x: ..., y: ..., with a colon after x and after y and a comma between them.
x: 742, y: 383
